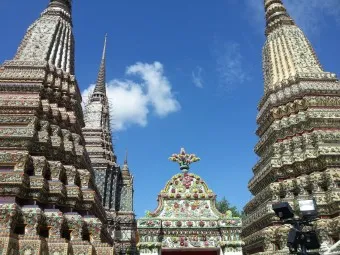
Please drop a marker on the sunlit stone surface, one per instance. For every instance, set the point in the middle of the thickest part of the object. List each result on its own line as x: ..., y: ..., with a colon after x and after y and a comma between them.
x: 299, y: 138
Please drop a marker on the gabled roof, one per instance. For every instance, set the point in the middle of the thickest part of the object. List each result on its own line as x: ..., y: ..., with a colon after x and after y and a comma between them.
x: 187, y: 197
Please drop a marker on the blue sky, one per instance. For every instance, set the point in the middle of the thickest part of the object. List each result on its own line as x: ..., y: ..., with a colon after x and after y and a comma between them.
x: 188, y: 74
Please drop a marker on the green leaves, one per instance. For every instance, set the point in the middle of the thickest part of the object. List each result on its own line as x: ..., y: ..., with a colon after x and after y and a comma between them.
x: 223, y: 206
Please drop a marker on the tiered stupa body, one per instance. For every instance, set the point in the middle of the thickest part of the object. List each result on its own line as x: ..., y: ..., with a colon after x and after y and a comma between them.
x: 299, y: 131
x: 186, y: 220
x: 114, y: 184
x: 124, y: 217
x: 97, y: 134
x: 48, y: 201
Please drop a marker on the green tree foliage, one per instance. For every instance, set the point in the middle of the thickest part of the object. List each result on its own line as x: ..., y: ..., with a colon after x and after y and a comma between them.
x: 223, y: 206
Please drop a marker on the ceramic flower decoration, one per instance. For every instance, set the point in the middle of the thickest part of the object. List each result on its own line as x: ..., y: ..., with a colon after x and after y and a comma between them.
x: 184, y: 160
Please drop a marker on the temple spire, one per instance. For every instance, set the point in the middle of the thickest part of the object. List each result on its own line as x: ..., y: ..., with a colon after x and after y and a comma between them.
x: 48, y: 41
x: 66, y: 5
x: 276, y: 15
x: 100, y: 87
x: 126, y: 158
x: 126, y: 165
x: 288, y: 56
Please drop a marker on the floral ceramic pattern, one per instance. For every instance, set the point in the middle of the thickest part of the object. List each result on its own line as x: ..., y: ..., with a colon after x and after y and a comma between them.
x: 186, y: 216
x: 194, y: 209
x: 191, y: 242
x: 187, y: 186
x: 183, y: 159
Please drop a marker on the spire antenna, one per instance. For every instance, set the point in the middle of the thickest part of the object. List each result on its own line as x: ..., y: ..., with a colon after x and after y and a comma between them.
x: 126, y: 157
x: 104, y: 49
x: 100, y: 88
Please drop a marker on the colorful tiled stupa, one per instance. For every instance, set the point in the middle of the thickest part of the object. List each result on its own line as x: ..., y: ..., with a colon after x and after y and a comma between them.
x: 186, y: 218
x: 115, y: 184
x: 49, y: 203
x: 299, y: 138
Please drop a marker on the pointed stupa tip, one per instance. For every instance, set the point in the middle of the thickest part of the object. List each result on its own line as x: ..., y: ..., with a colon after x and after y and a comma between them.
x: 104, y: 49
x: 126, y: 158
x: 66, y: 5
x: 126, y: 165
x: 276, y: 15
x: 100, y: 87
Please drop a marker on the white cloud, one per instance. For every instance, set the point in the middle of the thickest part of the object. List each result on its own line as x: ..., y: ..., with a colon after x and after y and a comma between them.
x: 132, y: 101
x: 158, y: 87
x: 308, y: 14
x: 197, y: 78
x: 229, y: 64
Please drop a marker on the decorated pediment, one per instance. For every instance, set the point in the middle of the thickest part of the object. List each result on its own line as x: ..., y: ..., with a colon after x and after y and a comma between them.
x: 186, y: 216
x: 186, y: 196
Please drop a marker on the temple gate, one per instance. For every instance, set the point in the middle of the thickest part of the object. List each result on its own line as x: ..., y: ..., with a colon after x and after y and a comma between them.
x: 186, y: 221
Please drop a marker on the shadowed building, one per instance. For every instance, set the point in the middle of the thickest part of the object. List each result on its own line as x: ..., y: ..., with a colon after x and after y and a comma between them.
x: 299, y: 138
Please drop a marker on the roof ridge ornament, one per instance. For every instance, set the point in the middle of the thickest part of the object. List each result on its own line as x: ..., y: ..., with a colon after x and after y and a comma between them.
x: 126, y: 157
x: 184, y: 160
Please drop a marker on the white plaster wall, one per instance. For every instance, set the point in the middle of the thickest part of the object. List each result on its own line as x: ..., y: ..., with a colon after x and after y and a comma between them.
x: 154, y: 251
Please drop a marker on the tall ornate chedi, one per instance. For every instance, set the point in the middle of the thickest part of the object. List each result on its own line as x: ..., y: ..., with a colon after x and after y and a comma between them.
x: 97, y: 134
x: 299, y: 137
x: 48, y: 201
x: 114, y: 184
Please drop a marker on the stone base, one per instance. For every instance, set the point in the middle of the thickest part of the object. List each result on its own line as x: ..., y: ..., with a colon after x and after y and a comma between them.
x: 82, y: 248
x: 9, y: 244
x: 32, y: 245
x: 58, y: 246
